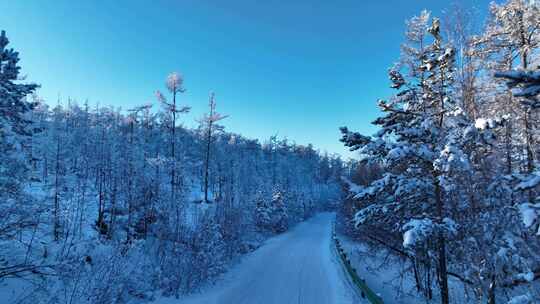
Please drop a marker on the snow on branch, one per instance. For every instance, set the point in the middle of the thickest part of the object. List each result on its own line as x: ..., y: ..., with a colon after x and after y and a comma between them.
x: 417, y: 231
x: 529, y: 182
x: 523, y: 84
x: 353, y: 140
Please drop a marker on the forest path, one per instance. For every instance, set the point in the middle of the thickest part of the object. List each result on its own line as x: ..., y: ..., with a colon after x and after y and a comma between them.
x: 297, y: 267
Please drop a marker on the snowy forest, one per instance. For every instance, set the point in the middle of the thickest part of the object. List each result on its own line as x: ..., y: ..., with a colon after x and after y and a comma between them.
x: 102, y: 204
x: 450, y: 183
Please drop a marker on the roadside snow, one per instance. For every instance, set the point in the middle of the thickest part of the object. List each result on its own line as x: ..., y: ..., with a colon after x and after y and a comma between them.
x: 381, y: 274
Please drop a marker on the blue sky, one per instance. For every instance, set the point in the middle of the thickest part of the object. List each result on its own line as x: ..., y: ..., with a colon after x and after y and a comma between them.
x: 298, y: 68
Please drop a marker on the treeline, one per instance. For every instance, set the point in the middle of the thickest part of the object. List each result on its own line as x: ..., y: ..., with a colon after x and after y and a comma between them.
x: 451, y: 181
x: 101, y: 205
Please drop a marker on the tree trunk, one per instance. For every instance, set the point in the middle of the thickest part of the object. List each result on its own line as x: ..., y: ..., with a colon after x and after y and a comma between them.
x: 173, y: 141
x: 442, y: 273
x: 508, y: 146
x: 56, y: 197
x: 207, y: 162
x: 491, y: 292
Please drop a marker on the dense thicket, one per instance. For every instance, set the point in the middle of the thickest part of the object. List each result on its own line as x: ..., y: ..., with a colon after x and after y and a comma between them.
x: 101, y: 205
x: 451, y: 182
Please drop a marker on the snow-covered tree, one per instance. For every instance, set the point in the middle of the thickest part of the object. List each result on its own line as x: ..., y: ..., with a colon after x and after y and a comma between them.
x: 510, y: 40
x: 16, y: 204
x: 456, y: 166
x: 209, y: 127
x: 174, y: 85
x: 272, y: 212
x: 412, y: 139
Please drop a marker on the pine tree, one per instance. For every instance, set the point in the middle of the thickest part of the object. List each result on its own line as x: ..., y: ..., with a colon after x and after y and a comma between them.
x: 15, y: 131
x: 447, y: 150
x: 14, y: 122
x: 413, y: 136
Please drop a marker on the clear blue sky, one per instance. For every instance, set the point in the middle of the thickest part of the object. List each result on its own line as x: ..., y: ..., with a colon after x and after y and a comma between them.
x: 295, y: 68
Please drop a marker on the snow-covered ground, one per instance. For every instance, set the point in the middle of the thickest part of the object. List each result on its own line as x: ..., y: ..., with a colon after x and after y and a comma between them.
x: 381, y: 273
x: 299, y: 266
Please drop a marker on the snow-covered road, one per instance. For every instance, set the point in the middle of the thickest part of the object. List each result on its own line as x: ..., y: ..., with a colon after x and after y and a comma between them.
x: 296, y: 267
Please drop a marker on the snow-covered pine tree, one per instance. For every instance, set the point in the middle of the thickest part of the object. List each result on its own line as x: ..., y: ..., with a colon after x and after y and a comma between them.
x: 271, y: 213
x: 409, y: 197
x: 263, y: 212
x: 432, y: 150
x: 280, y: 217
x: 15, y: 131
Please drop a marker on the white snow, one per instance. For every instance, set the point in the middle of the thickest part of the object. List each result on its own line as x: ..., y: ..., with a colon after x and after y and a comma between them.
x: 409, y: 238
x: 531, y: 182
x: 528, y: 276
x: 416, y: 230
x: 528, y: 213
x: 381, y: 274
x: 296, y: 267
x: 481, y: 123
x: 523, y: 299
x: 353, y: 188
